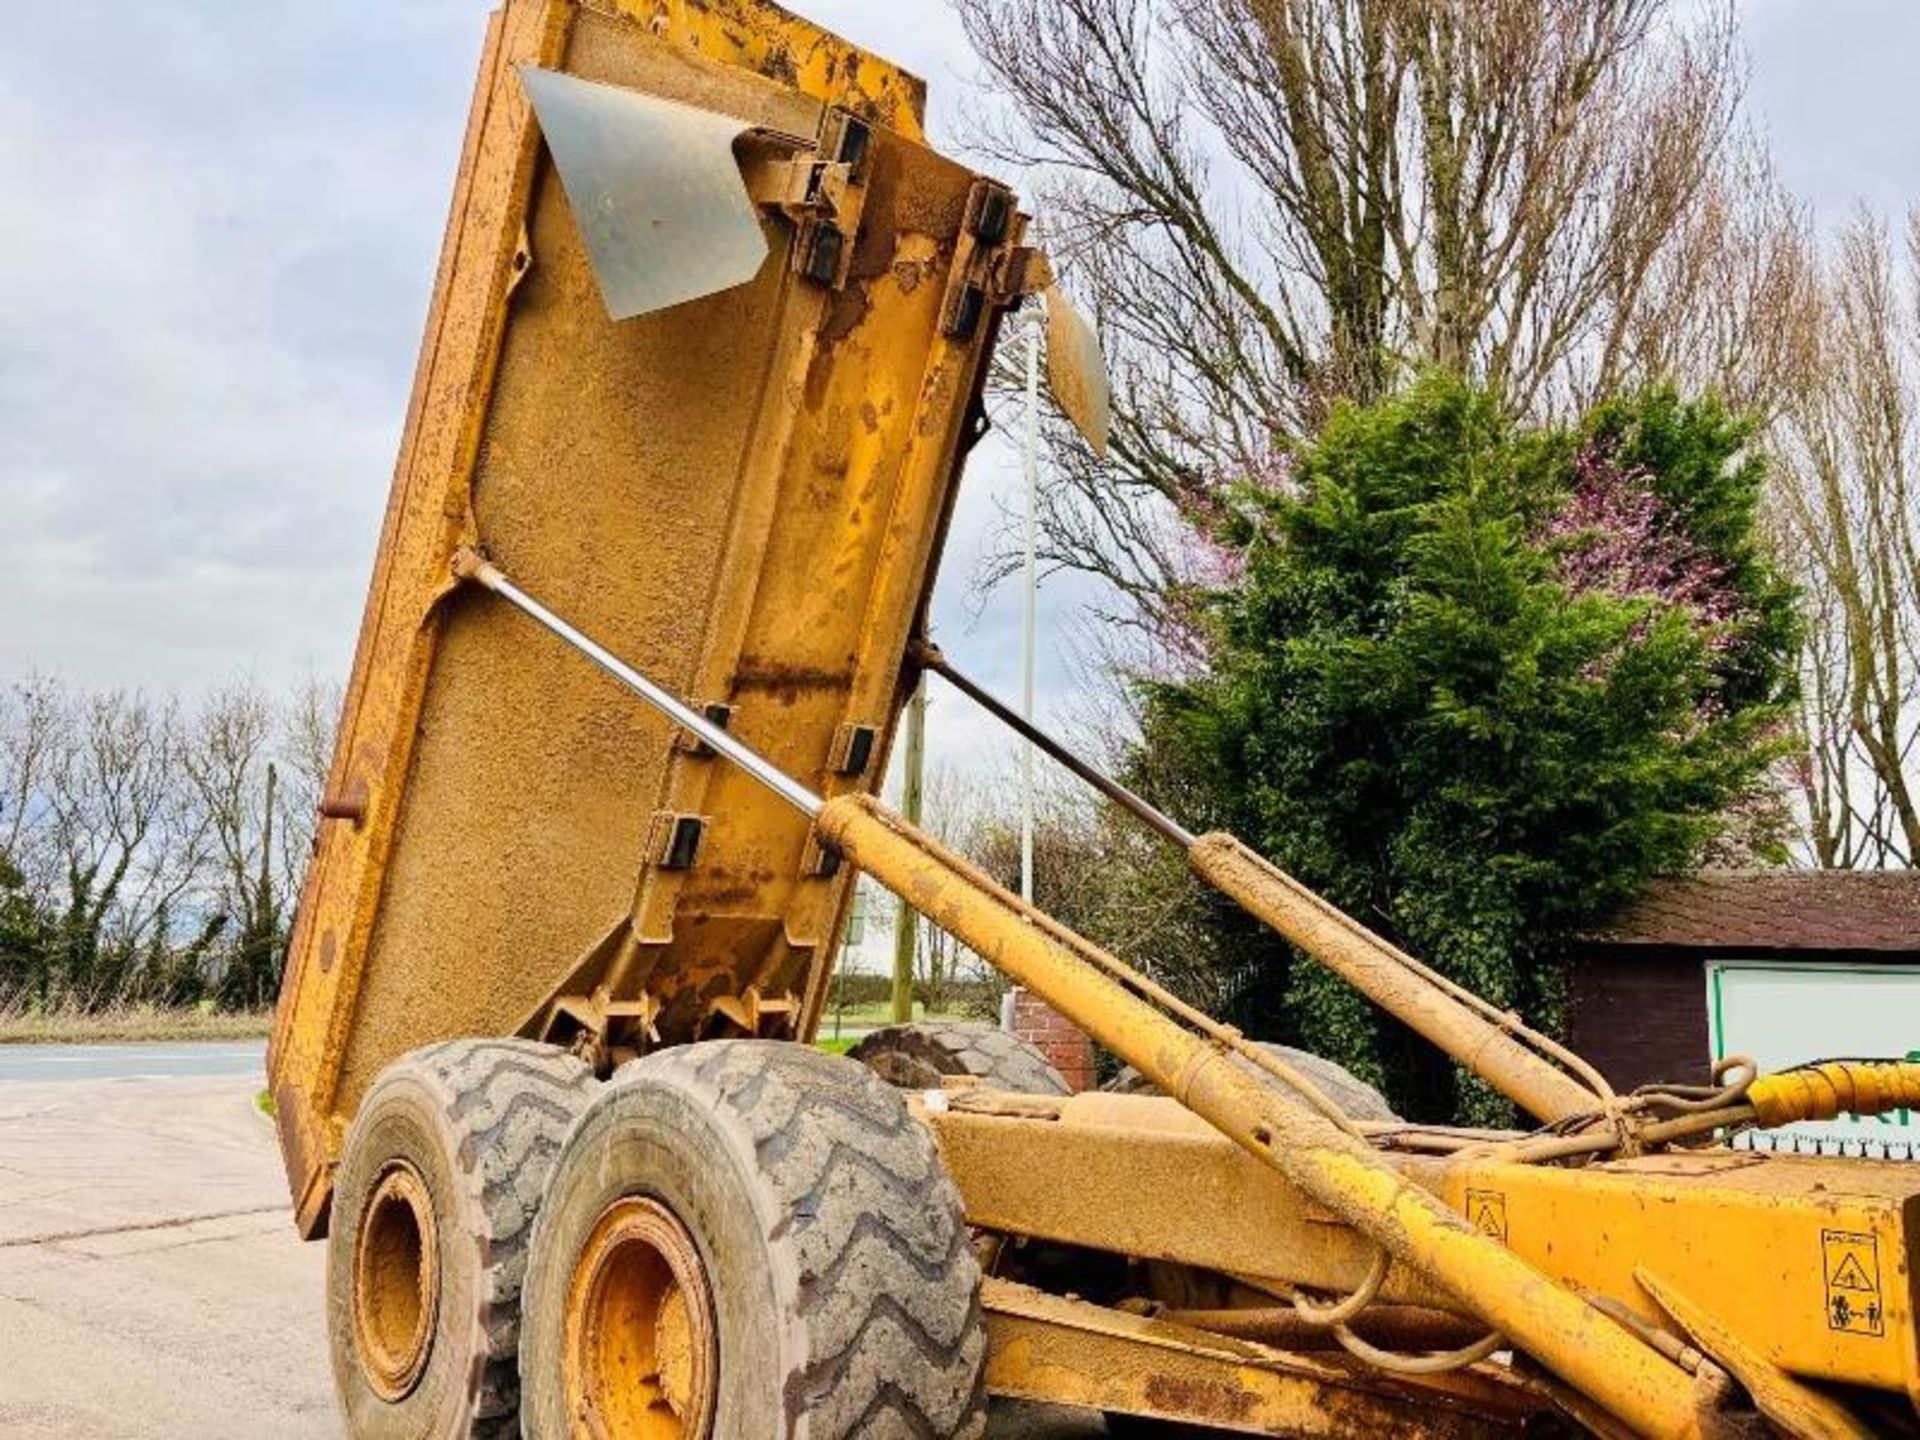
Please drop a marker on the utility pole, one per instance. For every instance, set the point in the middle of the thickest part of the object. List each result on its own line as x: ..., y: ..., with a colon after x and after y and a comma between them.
x: 1029, y: 611
x: 907, y: 926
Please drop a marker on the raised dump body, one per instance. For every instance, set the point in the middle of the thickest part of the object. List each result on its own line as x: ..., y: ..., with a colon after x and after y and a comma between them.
x: 705, y: 350
x: 744, y: 495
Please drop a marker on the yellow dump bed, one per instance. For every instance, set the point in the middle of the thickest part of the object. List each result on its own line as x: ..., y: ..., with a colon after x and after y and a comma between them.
x: 743, y: 496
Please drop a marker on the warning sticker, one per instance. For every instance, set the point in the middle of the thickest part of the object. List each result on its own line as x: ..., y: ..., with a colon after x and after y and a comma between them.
x: 1487, y: 1213
x: 1852, y: 1268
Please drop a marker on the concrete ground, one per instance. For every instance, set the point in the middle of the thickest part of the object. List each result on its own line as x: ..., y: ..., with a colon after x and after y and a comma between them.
x: 150, y: 1281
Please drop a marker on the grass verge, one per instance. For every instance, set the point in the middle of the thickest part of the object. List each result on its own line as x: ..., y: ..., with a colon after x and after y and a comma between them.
x: 126, y: 1024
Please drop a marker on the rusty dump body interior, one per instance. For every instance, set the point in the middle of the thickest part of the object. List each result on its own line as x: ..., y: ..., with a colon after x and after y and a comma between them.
x: 732, y: 505
x: 744, y: 495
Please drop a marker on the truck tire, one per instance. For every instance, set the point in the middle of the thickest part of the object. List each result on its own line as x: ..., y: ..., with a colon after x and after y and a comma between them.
x: 914, y: 1057
x: 433, y: 1208
x: 1359, y: 1100
x: 750, y: 1238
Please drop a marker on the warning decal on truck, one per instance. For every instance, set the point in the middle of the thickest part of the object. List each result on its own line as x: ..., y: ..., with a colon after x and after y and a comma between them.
x: 1852, y: 1267
x: 1487, y: 1213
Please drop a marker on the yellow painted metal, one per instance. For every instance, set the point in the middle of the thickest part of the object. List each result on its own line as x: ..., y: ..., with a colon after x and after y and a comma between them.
x: 1764, y: 1244
x: 1151, y: 1179
x: 642, y: 1348
x: 1385, y: 975
x: 1480, y: 1275
x: 745, y: 494
x: 1835, y: 1087
x: 1045, y: 1347
x: 1761, y: 1242
x: 1796, y: 1409
x: 395, y: 1293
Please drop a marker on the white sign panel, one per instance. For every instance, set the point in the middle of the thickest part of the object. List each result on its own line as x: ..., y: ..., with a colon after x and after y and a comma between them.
x: 1784, y: 1014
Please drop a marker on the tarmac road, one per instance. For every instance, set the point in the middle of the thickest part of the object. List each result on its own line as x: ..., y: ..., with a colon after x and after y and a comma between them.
x: 150, y: 1281
x: 123, y: 1062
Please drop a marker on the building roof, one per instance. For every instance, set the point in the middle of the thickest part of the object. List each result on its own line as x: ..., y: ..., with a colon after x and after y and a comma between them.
x: 1798, y: 911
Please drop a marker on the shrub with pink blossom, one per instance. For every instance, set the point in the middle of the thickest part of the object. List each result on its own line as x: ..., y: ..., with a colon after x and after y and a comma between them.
x: 1478, y: 681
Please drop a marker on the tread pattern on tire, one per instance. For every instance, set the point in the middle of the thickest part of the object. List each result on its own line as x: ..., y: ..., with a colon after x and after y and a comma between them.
x: 1359, y: 1100
x: 889, y: 1291
x: 511, y: 1102
x: 997, y: 1057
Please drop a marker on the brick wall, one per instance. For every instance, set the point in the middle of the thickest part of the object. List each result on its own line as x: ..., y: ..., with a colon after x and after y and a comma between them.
x: 1064, y: 1044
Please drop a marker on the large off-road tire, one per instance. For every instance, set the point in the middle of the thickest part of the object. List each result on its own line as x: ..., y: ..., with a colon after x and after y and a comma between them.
x: 914, y: 1057
x: 433, y: 1208
x: 1357, y: 1099
x: 748, y: 1238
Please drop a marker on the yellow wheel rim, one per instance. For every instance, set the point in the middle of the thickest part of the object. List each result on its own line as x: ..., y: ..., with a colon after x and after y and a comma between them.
x: 396, y: 1281
x: 641, y: 1348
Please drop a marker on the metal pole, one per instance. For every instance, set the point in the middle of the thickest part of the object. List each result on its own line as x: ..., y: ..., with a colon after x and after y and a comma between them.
x: 1032, y: 599
x: 1447, y: 1014
x: 471, y: 565
x: 907, y: 929
x: 930, y: 657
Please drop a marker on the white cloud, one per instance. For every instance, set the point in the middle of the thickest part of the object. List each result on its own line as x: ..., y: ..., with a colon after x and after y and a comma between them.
x: 221, y: 223
x: 211, y: 283
x: 1833, y: 88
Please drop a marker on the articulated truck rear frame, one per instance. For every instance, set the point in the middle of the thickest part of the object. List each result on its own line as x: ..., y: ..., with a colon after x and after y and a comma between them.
x: 705, y: 358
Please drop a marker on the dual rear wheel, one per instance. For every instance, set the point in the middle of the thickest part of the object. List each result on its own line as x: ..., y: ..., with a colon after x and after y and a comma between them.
x: 727, y: 1239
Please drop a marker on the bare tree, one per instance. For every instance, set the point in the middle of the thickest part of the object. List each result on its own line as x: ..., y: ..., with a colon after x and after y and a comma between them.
x: 226, y: 758
x: 1847, y: 445
x: 1272, y: 204
x: 125, y: 832
x: 951, y: 801
x: 306, y: 724
x: 148, y: 853
x: 32, y: 733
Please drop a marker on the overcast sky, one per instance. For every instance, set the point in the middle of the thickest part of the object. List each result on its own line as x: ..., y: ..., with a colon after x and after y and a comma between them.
x: 218, y: 227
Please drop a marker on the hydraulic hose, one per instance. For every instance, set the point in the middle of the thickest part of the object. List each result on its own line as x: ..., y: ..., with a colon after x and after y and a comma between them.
x: 1828, y: 1088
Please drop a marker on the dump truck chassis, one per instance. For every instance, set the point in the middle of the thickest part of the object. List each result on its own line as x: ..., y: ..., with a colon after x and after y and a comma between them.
x: 783, y: 440
x: 1450, y: 1234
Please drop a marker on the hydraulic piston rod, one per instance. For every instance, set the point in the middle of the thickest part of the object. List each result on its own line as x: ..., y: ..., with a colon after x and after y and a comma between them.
x: 1379, y: 970
x: 1549, y: 1321
x: 470, y: 564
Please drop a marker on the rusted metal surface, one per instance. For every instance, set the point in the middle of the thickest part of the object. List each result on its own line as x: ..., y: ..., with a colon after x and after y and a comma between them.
x: 1478, y: 1274
x: 642, y: 1346
x: 1798, y: 1410
x: 1151, y: 1179
x: 745, y: 493
x: 1391, y: 1327
x: 1757, y: 1241
x: 1046, y: 1347
x: 396, y: 1281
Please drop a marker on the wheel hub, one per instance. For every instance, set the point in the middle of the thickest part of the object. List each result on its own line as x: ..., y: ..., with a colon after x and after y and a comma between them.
x: 396, y: 1281
x: 642, y: 1353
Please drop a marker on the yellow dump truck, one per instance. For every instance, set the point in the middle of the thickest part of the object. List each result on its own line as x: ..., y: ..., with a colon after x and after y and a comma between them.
x: 705, y: 357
